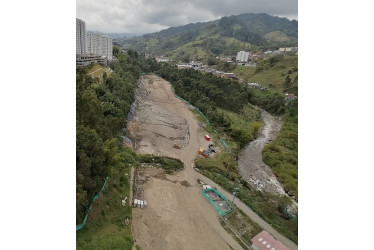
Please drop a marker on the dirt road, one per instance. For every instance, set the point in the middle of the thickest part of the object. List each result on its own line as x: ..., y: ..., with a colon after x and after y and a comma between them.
x: 177, y: 216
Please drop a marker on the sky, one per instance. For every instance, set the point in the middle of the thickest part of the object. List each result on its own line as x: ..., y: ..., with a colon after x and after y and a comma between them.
x: 146, y: 16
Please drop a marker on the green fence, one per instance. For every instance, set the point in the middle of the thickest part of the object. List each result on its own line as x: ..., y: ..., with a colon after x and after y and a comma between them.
x: 214, y: 204
x: 80, y: 226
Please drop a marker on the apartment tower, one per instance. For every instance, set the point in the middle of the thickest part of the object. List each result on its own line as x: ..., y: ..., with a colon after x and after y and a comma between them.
x: 81, y: 37
x: 242, y: 56
x: 99, y: 45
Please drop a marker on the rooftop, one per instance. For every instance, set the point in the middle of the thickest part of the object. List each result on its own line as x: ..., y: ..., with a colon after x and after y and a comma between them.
x: 266, y: 241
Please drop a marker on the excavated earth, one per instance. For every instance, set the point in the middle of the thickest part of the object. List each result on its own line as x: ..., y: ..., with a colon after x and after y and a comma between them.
x: 177, y: 215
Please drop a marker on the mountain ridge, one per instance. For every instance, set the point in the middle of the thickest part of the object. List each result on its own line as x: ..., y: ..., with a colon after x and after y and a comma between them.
x: 226, y: 35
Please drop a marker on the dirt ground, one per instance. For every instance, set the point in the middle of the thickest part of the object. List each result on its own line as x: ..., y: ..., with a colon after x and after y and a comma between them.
x: 177, y: 216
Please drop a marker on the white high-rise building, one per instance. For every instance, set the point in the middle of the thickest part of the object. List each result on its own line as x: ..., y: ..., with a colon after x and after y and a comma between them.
x: 81, y: 37
x: 99, y: 45
x: 242, y: 56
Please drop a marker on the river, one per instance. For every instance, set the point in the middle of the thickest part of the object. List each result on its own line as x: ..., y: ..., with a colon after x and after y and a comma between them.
x: 250, y: 163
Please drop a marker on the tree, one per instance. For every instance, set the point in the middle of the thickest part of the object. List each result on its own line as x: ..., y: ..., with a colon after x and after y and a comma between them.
x: 287, y: 83
x: 100, y: 118
x: 115, y: 50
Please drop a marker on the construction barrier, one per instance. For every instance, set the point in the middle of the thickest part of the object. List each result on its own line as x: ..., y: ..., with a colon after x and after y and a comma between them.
x: 222, y: 213
x: 80, y: 226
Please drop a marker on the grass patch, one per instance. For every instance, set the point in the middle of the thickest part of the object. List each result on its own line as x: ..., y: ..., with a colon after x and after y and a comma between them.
x: 97, y: 72
x: 277, y: 36
x: 243, y: 127
x: 242, y: 224
x: 106, y: 227
x: 167, y: 163
x: 272, y: 77
x: 223, y: 163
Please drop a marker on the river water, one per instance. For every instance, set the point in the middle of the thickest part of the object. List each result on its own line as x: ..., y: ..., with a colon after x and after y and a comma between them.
x: 250, y: 163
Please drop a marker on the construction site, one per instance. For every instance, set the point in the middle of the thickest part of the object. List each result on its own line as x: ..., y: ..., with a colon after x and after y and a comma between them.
x: 177, y: 215
x: 178, y: 209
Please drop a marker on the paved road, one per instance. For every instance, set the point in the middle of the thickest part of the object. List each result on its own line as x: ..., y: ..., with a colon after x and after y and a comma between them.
x: 248, y: 211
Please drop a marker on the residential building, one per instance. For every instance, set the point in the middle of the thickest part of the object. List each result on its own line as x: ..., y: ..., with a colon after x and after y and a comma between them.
x: 242, y: 56
x: 92, y: 47
x: 265, y: 241
x: 184, y: 66
x: 80, y: 37
x: 229, y: 75
x: 84, y: 60
x: 287, y: 50
x: 99, y: 45
x: 290, y: 97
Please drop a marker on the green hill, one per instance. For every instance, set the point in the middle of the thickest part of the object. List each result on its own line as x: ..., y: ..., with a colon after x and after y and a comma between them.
x: 225, y: 36
x: 278, y: 36
x: 270, y: 73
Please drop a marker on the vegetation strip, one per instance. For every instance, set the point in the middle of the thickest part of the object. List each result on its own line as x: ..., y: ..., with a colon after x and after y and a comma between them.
x: 102, y: 105
x: 80, y: 226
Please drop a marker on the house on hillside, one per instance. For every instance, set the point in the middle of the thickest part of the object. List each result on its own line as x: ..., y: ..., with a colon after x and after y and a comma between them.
x: 229, y: 75
x: 184, y: 66
x: 256, y: 85
x: 290, y: 97
x: 287, y: 50
x: 265, y: 241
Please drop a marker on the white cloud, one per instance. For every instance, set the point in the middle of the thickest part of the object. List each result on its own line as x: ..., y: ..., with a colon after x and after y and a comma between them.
x: 143, y: 16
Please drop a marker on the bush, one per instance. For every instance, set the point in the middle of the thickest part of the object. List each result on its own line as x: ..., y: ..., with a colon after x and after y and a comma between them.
x: 166, y: 163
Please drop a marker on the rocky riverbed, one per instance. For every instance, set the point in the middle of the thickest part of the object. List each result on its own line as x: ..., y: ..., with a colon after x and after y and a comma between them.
x: 250, y: 163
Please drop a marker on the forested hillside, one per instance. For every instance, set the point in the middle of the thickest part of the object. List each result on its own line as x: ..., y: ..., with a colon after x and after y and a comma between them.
x: 101, y: 110
x: 227, y: 35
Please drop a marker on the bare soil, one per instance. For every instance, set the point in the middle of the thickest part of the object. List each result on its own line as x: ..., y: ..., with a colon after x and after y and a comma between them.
x: 177, y: 216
